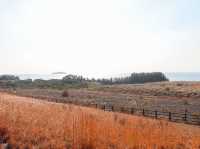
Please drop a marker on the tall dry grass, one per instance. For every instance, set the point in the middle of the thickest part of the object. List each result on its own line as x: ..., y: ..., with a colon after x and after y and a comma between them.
x: 30, y: 123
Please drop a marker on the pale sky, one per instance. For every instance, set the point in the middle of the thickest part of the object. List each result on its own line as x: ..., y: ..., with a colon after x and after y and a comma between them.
x: 99, y: 37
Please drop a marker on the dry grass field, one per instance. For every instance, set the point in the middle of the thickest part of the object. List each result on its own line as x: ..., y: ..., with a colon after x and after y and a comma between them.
x: 31, y: 123
x: 162, y: 96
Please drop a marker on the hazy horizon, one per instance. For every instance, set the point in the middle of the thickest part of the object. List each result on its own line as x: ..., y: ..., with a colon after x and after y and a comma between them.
x: 99, y: 38
x: 172, y: 76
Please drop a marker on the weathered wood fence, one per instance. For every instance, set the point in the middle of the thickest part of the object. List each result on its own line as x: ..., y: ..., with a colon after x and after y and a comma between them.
x: 184, y: 117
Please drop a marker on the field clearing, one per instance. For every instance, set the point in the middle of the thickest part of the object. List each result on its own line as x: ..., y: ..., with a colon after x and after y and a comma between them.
x: 32, y: 123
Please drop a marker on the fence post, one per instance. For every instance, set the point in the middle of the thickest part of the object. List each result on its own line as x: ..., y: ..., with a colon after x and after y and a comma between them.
x: 185, y: 115
x: 143, y: 112
x: 104, y: 107
x: 156, y: 114
x: 132, y: 110
x: 170, y: 116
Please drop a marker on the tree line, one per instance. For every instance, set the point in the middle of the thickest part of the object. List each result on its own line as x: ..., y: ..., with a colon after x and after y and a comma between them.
x: 75, y: 81
x: 136, y: 78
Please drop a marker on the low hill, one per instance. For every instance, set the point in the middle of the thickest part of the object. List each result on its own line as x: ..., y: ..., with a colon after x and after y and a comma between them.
x: 31, y: 123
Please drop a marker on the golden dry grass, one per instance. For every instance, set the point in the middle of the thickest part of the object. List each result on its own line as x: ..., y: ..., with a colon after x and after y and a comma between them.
x: 35, y: 124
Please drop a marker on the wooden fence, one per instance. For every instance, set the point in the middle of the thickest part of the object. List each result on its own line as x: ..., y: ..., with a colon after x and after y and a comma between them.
x: 184, y: 117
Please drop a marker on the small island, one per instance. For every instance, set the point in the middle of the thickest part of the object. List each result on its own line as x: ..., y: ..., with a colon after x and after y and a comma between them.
x: 59, y: 73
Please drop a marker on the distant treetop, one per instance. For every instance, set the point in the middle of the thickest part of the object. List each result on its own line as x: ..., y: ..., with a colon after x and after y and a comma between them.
x: 72, y: 79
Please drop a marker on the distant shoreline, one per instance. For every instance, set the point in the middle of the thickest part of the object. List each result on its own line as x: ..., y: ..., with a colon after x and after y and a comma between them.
x: 173, y: 76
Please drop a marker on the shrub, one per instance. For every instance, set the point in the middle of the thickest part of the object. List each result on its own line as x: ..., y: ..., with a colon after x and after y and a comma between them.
x: 65, y: 93
x: 167, y: 89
